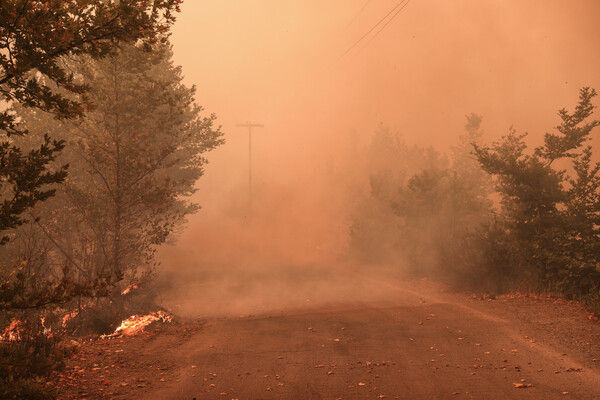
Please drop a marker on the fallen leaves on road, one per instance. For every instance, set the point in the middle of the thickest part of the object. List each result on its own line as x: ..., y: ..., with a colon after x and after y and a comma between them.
x: 575, y: 370
x: 522, y: 385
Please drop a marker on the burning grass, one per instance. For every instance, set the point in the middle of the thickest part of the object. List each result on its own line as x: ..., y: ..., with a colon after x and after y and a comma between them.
x: 137, y: 323
x: 12, y: 332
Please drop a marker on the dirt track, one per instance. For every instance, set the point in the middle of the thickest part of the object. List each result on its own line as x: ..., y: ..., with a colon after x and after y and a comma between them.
x: 414, y: 342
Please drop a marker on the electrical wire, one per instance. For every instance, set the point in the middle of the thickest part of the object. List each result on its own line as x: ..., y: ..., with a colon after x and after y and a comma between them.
x: 386, y: 24
x: 370, y: 30
x: 357, y: 14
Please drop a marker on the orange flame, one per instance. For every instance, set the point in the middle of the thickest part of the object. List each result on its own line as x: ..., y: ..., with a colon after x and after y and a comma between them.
x: 129, y: 289
x: 136, y: 323
x: 12, y: 333
x: 68, y: 317
x: 47, y: 331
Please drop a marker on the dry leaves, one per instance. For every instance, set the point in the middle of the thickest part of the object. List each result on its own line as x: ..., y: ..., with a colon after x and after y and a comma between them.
x: 522, y: 385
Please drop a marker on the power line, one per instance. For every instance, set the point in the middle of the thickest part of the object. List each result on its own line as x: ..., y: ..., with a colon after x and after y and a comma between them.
x: 358, y: 13
x: 370, y: 30
x: 386, y: 24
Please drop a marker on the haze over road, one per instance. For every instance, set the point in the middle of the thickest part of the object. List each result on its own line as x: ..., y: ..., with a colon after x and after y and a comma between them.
x: 409, y: 341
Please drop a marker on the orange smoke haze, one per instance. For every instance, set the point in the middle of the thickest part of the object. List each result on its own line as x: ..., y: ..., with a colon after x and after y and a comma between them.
x: 280, y: 63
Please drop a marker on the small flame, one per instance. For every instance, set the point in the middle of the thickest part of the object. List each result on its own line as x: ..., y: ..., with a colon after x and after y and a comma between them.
x: 67, y: 317
x: 47, y: 331
x: 136, y: 323
x: 129, y: 289
x: 12, y: 333
x: 73, y: 313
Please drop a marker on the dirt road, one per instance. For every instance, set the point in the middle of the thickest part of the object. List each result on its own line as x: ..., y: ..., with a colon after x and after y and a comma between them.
x: 413, y: 342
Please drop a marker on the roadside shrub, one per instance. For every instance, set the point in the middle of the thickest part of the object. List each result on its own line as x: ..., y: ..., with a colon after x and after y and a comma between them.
x: 27, y: 359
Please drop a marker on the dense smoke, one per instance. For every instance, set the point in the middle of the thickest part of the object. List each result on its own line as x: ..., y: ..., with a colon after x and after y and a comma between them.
x: 314, y: 166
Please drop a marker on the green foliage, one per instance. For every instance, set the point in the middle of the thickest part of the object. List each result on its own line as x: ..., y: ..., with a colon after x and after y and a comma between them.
x: 550, y: 214
x: 421, y: 205
x: 39, y: 42
x: 374, y: 234
x: 35, y: 36
x: 138, y: 157
x: 26, y: 179
x: 440, y: 218
x: 134, y: 162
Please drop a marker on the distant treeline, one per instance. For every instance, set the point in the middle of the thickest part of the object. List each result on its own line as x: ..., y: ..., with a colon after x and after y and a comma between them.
x: 489, y: 218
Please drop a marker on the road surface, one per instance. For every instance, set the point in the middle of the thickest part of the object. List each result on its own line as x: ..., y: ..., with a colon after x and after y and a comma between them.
x: 409, y: 341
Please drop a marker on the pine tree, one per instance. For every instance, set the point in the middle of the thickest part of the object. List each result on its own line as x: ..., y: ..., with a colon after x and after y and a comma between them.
x: 550, y: 216
x: 134, y: 162
x: 35, y: 36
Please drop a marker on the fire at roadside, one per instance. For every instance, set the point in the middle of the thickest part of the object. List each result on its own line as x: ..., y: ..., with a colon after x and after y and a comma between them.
x: 131, y: 326
x: 137, y: 323
x: 129, y: 312
x: 54, y: 343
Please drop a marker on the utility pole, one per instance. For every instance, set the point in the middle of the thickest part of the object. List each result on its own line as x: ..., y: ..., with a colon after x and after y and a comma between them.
x: 250, y: 126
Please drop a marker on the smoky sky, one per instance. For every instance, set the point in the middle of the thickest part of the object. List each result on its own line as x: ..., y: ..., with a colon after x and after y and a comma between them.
x: 278, y: 63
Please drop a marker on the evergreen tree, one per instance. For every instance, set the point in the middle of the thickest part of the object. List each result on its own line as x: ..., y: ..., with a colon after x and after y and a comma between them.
x: 35, y: 36
x: 550, y: 216
x: 135, y: 161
